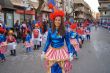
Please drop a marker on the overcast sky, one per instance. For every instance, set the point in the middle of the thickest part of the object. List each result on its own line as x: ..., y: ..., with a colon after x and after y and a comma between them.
x: 93, y: 4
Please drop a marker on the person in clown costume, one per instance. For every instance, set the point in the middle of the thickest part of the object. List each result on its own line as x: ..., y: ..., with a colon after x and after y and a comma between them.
x: 3, y: 44
x: 55, y: 53
x: 37, y: 37
x: 11, y: 40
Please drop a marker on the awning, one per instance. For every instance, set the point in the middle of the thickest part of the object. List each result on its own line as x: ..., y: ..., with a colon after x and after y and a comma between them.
x: 6, y: 4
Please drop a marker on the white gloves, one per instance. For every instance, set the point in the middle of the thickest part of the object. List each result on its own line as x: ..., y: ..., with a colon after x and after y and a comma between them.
x: 71, y: 56
x: 42, y: 55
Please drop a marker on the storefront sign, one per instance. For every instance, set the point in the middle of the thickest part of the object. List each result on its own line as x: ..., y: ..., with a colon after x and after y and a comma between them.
x: 20, y: 11
x: 31, y: 12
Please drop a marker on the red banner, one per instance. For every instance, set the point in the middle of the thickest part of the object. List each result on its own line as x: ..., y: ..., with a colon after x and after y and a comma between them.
x: 31, y: 12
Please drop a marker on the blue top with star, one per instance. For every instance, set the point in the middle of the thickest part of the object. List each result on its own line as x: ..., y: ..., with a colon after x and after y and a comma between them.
x: 57, y: 41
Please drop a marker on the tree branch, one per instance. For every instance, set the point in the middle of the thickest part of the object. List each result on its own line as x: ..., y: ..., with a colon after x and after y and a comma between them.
x: 40, y: 6
x: 71, y: 11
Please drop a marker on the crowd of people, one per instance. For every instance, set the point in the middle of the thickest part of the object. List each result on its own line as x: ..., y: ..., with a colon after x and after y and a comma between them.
x: 57, y: 55
x: 34, y: 35
x: 30, y: 34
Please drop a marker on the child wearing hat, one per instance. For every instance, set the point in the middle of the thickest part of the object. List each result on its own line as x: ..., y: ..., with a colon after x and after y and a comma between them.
x: 11, y: 40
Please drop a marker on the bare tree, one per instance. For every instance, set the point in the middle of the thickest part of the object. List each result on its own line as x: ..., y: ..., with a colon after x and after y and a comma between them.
x: 73, y: 10
x: 38, y: 10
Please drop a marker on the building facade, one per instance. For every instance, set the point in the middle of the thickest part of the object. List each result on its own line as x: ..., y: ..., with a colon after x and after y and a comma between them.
x: 82, y: 11
x: 68, y: 8
x: 7, y: 12
x: 104, y: 11
x: 24, y: 9
x: 13, y: 10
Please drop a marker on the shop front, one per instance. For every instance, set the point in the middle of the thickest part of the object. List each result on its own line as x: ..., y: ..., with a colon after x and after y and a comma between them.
x: 9, y: 18
x: 26, y: 14
x: 7, y: 11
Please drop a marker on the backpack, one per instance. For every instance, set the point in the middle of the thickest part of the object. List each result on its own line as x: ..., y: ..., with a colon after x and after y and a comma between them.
x: 36, y: 33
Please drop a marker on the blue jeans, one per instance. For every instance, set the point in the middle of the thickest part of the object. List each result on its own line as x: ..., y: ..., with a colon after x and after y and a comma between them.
x: 88, y: 37
x: 29, y: 49
x: 109, y: 29
x: 2, y: 56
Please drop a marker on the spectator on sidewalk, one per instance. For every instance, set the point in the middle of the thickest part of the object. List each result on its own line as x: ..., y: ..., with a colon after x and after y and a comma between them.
x: 23, y: 31
x: 17, y: 31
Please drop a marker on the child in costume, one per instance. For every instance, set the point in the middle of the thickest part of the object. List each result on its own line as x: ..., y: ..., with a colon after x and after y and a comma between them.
x: 37, y: 37
x: 80, y: 33
x: 74, y: 38
x: 28, y: 42
x: 56, y: 54
x: 3, y: 45
x: 88, y: 32
x: 11, y: 40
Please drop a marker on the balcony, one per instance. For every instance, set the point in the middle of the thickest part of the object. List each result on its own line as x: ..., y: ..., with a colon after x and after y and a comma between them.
x: 104, y: 9
x: 104, y: 1
x: 105, y: 5
x: 80, y: 9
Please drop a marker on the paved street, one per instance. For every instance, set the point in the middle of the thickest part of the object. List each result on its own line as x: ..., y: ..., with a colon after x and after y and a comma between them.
x: 93, y: 57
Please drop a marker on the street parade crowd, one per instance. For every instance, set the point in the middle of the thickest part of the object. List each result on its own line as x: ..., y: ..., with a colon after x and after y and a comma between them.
x: 56, y: 54
x: 32, y: 39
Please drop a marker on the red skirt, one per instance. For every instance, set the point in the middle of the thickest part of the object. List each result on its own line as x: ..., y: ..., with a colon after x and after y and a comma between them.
x: 27, y: 44
x: 54, y: 54
x: 75, y: 44
x: 3, y: 47
x: 58, y: 55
